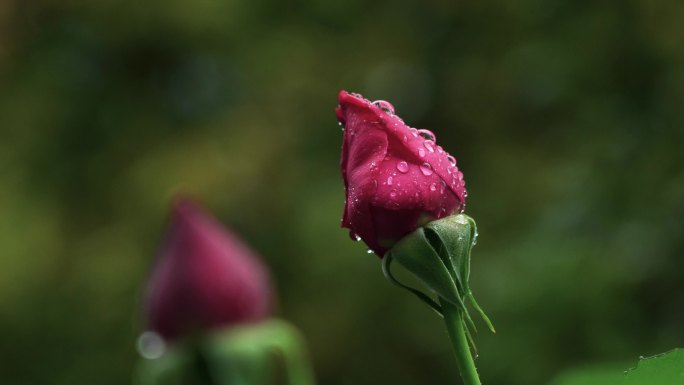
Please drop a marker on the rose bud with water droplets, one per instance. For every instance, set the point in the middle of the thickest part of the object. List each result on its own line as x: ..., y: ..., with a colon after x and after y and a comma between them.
x: 204, y: 278
x: 396, y: 177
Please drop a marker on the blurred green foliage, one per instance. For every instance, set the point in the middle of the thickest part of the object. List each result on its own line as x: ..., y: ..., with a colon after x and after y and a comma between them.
x: 565, y: 116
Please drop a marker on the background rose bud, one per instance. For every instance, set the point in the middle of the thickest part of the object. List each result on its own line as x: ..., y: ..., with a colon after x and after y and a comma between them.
x: 204, y: 277
x: 396, y: 177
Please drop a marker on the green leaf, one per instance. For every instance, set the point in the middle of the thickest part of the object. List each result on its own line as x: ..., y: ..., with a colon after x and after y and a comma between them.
x: 663, y: 369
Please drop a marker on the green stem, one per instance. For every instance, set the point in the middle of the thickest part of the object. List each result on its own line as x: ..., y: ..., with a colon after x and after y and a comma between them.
x: 453, y: 318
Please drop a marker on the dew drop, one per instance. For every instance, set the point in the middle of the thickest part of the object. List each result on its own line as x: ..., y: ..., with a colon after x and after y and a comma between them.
x: 439, y: 149
x: 385, y: 106
x: 402, y: 166
x: 421, y: 153
x: 369, y: 251
x: 389, y: 180
x: 433, y: 187
x: 452, y: 160
x: 354, y: 236
x: 414, y: 132
x: 151, y: 345
x: 427, y: 134
x: 393, y: 194
x: 405, y: 138
x: 429, y: 145
x: 426, y: 169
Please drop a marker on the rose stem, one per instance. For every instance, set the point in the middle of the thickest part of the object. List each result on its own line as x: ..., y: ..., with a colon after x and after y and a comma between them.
x: 456, y: 329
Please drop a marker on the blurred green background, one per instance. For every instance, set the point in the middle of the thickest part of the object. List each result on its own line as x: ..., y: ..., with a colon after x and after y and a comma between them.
x: 565, y: 116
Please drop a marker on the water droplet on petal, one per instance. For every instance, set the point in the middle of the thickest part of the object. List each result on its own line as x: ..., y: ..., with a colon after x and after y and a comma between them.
x: 369, y: 251
x: 393, y: 194
x: 421, y: 152
x: 429, y: 145
x: 389, y: 181
x: 426, y: 169
x: 414, y: 132
x: 427, y: 134
x: 151, y: 345
x: 402, y: 166
x: 452, y: 160
x: 385, y: 106
x: 433, y: 187
x: 354, y: 236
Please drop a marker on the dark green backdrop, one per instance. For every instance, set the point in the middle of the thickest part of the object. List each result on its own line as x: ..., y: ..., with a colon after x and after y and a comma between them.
x: 565, y: 116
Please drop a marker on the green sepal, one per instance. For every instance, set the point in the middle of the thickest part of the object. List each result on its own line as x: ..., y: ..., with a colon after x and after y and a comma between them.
x: 481, y: 312
x: 270, y: 352
x: 415, y: 253
x: 456, y: 235
x: 439, y: 255
x: 386, y: 264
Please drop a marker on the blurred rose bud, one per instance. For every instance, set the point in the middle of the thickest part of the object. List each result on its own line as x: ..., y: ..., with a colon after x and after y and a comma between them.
x: 396, y: 177
x: 204, y: 277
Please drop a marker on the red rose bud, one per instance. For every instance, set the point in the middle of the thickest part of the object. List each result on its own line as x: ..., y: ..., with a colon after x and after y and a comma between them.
x: 396, y: 177
x: 204, y: 278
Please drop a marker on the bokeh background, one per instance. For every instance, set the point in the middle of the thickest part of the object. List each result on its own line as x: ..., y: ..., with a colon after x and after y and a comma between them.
x: 565, y: 116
